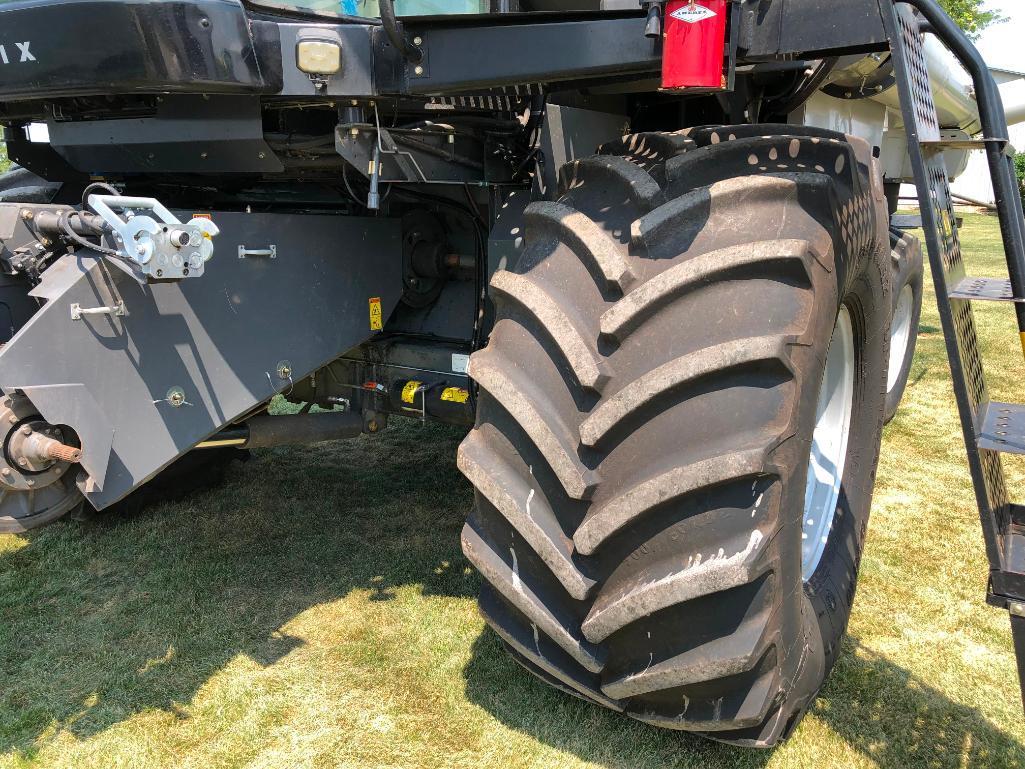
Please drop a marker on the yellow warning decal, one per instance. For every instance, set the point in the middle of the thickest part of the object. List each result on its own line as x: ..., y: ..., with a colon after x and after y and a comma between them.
x: 455, y: 394
x: 376, y: 321
x: 202, y: 216
x: 409, y: 391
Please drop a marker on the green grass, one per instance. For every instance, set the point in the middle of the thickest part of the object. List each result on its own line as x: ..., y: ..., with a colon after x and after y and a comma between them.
x: 315, y: 611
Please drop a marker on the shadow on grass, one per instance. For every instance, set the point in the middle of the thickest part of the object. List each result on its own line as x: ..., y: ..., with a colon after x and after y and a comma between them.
x: 103, y: 620
x: 875, y: 706
x: 122, y: 613
x: 895, y: 719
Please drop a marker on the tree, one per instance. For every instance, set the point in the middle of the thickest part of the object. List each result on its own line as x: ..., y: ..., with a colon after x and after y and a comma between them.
x: 1019, y: 170
x: 971, y: 15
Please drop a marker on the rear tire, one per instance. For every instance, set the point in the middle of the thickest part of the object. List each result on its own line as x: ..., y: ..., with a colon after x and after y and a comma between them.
x: 908, y: 272
x: 19, y: 185
x: 647, y: 403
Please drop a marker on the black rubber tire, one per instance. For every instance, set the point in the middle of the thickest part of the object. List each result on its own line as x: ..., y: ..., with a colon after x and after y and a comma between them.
x: 19, y: 185
x: 648, y: 395
x: 908, y: 271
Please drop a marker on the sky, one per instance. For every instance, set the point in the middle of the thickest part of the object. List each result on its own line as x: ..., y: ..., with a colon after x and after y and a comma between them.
x: 1001, y: 44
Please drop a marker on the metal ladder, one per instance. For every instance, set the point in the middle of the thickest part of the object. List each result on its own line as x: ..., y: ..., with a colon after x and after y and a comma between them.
x: 990, y: 428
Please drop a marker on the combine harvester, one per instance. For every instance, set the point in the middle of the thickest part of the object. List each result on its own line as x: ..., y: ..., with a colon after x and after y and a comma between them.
x: 645, y: 250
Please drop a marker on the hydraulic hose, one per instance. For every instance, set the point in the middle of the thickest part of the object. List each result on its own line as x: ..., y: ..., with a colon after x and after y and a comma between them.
x: 409, y: 51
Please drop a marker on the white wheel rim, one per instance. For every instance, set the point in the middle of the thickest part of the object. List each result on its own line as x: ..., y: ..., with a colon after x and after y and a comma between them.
x: 900, y: 333
x: 829, y: 444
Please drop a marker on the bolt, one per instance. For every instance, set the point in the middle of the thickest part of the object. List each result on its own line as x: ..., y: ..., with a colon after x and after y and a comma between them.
x: 262, y: 155
x: 30, y: 482
x: 418, y: 70
x: 354, y: 131
x: 5, y: 472
x: 12, y: 419
x: 372, y: 426
x: 27, y: 215
x: 26, y: 430
x: 418, y: 40
x: 354, y: 102
x: 203, y: 155
x: 22, y: 462
x: 140, y: 249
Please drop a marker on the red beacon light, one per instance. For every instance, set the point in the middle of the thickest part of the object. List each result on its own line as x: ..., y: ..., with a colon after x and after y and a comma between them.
x: 694, y: 43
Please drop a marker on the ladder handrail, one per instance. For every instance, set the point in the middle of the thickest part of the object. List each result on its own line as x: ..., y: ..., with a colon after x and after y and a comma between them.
x: 994, y: 127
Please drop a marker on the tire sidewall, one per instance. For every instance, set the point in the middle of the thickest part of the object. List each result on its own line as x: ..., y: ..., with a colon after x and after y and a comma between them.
x: 831, y: 588
x: 907, y: 270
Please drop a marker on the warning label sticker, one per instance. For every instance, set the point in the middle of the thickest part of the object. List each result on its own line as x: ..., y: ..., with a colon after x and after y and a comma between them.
x: 376, y: 320
x: 455, y: 394
x: 409, y: 391
x: 692, y: 13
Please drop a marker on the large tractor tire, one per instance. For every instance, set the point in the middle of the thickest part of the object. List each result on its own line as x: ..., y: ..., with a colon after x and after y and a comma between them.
x: 907, y: 271
x: 696, y: 328
x: 19, y: 185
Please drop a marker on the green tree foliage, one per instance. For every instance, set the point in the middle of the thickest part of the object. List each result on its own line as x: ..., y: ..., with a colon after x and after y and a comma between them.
x: 971, y: 15
x: 1019, y: 168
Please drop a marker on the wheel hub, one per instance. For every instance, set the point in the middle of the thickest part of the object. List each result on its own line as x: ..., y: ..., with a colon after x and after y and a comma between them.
x: 35, y: 483
x: 829, y: 445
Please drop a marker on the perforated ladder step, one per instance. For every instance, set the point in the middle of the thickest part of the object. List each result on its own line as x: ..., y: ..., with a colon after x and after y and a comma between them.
x: 985, y: 290
x: 1002, y: 428
x: 964, y: 144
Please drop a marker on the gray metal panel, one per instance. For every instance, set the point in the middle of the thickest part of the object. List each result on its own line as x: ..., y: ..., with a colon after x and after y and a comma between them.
x: 466, y: 57
x: 809, y: 27
x: 188, y: 134
x: 571, y: 133
x: 219, y: 338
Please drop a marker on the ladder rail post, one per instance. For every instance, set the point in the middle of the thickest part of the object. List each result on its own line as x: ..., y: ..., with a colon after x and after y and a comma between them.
x: 987, y: 498
x: 1007, y: 196
x: 1017, y: 612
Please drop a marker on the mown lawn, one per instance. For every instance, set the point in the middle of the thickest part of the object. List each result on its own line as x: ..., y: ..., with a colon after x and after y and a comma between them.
x: 316, y: 610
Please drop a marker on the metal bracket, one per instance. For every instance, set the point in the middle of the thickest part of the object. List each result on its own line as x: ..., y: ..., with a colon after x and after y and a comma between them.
x: 119, y: 310
x: 271, y: 251
x: 162, y: 248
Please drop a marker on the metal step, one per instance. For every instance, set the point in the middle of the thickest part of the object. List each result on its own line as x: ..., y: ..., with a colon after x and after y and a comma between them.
x: 1002, y: 428
x: 965, y: 144
x: 906, y: 221
x: 985, y: 290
